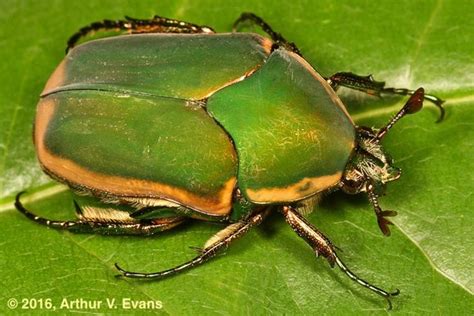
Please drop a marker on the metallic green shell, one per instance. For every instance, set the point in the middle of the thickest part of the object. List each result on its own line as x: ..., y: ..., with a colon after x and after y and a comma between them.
x: 142, y: 147
x: 292, y: 134
x: 186, y: 66
x: 119, y: 118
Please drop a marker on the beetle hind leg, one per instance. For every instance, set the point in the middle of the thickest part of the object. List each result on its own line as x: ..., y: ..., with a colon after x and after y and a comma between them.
x: 323, y: 246
x: 218, y: 242
x: 277, y: 38
x: 368, y: 85
x: 118, y: 225
x: 157, y: 24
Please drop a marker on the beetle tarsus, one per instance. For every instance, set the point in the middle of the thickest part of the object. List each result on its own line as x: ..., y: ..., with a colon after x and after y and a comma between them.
x: 368, y: 85
x: 373, y: 288
x: 41, y: 220
x: 278, y: 39
x: 323, y: 246
x: 162, y: 274
x: 104, y: 227
x: 128, y: 274
x: 222, y: 241
x: 157, y: 24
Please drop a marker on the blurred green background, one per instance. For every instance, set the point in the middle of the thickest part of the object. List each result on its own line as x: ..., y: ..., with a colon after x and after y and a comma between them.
x: 269, y: 271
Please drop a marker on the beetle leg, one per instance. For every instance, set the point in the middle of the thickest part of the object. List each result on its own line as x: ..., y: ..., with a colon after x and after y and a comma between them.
x: 157, y: 24
x: 218, y: 242
x: 106, y: 227
x: 277, y: 38
x: 323, y: 246
x: 368, y: 85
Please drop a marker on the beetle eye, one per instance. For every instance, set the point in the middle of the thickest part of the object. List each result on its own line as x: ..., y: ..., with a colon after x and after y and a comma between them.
x: 351, y: 187
x: 353, y: 182
x: 366, y: 132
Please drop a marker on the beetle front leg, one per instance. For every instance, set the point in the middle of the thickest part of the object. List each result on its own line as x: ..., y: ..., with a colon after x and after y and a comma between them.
x: 219, y: 241
x: 368, y: 85
x: 277, y: 38
x: 157, y: 24
x: 323, y: 246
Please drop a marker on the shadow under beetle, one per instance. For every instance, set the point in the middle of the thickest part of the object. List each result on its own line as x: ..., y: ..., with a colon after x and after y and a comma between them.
x: 177, y: 122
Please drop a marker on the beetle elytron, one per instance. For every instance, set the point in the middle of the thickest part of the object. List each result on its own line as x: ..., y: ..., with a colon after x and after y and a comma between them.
x: 177, y: 122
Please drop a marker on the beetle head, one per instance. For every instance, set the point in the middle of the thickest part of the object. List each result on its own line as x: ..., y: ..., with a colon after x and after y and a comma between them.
x: 370, y: 168
x: 369, y: 165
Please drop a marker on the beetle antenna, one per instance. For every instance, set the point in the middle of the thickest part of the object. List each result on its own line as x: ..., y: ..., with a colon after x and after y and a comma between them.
x: 413, y: 105
x: 381, y: 215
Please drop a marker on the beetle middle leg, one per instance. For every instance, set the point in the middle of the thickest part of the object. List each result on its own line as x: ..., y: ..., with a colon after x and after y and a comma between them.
x: 368, y: 85
x: 218, y: 242
x: 277, y: 38
x: 323, y: 246
x: 157, y: 24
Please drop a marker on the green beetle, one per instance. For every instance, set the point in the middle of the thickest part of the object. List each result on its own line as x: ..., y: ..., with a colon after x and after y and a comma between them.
x: 179, y: 122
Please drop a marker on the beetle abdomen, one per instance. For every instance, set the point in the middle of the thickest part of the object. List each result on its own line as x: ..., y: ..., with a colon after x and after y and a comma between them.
x: 292, y: 133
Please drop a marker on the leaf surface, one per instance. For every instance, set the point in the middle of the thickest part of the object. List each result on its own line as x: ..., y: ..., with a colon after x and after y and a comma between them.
x: 429, y: 255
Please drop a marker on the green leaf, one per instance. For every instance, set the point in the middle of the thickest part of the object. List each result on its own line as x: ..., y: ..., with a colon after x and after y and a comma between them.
x: 270, y: 270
